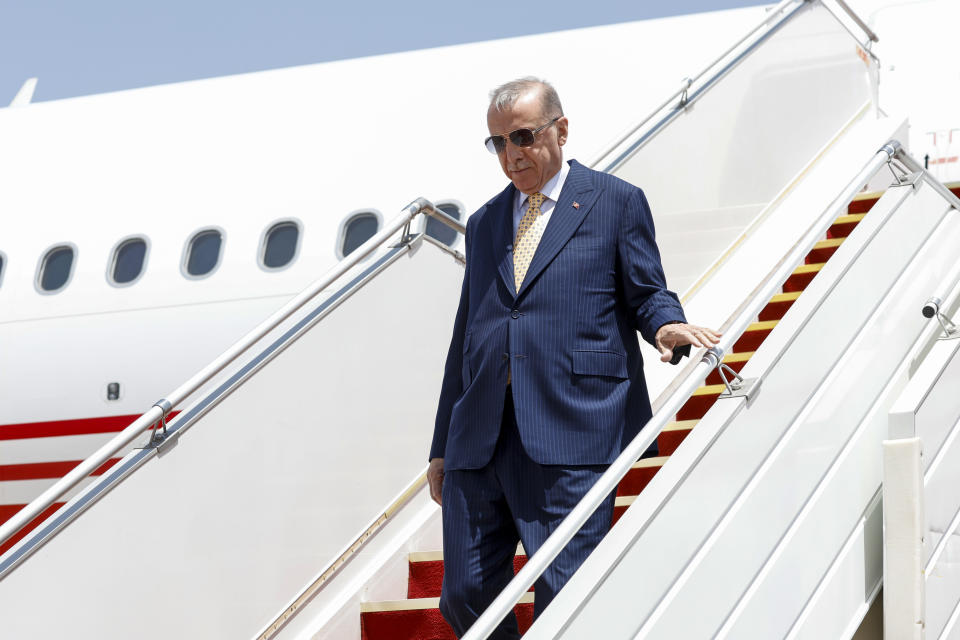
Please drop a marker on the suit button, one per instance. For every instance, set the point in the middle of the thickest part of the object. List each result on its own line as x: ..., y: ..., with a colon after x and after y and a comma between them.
x: 514, y: 314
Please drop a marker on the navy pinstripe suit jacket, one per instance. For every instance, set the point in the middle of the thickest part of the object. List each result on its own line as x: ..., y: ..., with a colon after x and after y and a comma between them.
x: 568, y: 334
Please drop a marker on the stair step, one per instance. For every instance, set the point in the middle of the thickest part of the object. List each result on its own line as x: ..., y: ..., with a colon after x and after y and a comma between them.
x: 425, y: 569
x: 779, y: 305
x: 823, y: 250
x: 640, y: 475
x: 674, y: 434
x: 801, y: 277
x: 426, y: 573
x: 700, y: 402
x: 420, y: 619
x: 863, y: 202
x: 754, y: 336
x: 844, y: 225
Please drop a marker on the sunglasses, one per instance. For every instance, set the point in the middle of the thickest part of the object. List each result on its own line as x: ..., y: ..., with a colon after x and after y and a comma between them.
x: 520, y: 137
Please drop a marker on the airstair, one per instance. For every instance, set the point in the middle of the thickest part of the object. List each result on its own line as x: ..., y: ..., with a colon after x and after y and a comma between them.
x: 279, y: 493
x: 419, y: 617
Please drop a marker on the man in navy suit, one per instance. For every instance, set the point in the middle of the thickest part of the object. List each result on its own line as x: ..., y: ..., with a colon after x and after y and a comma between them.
x: 543, y: 384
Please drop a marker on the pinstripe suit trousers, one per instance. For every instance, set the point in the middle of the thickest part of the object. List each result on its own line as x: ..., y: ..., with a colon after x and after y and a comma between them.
x: 487, y: 511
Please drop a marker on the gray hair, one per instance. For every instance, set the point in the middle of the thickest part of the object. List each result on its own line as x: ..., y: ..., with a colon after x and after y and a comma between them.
x: 506, y: 95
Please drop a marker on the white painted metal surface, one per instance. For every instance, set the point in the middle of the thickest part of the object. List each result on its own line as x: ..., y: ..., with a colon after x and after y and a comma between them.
x: 928, y: 412
x: 241, y: 509
x: 743, y: 550
x: 903, y: 557
x: 762, y: 124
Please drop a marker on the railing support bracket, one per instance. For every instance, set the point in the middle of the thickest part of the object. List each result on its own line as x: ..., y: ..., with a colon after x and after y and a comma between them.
x: 931, y: 309
x: 736, y: 385
x: 684, y: 88
x: 157, y: 437
x: 902, y: 177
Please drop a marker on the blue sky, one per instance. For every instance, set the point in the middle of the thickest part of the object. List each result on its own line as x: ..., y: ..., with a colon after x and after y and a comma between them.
x: 80, y: 48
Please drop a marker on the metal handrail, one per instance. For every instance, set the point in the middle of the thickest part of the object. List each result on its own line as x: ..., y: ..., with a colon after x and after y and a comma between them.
x: 161, y: 409
x: 712, y: 357
x: 688, y: 82
x: 911, y: 164
x: 860, y: 23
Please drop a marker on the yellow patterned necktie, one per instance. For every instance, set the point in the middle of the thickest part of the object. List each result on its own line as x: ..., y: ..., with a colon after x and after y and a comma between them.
x: 529, y: 232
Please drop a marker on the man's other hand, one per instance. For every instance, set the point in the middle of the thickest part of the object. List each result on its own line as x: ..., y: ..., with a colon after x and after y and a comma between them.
x: 671, y: 336
x: 435, y: 479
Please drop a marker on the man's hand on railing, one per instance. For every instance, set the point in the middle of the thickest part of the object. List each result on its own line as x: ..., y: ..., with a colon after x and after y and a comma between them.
x: 435, y: 479
x: 671, y: 336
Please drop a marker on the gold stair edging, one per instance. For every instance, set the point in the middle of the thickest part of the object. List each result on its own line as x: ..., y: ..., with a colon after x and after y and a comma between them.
x: 829, y: 243
x: 785, y: 297
x: 808, y: 268
x: 418, y: 604
x: 337, y: 564
x: 847, y: 218
x: 680, y: 425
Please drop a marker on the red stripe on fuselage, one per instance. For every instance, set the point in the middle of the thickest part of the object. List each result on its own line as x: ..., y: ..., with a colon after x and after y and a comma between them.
x: 109, y: 424
x: 7, y: 511
x: 46, y: 470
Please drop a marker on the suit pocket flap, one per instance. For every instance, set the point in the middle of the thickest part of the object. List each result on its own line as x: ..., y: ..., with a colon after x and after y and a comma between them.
x: 600, y: 363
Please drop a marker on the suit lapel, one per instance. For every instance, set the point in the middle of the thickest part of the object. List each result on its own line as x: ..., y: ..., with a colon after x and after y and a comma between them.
x: 501, y: 209
x: 564, y: 221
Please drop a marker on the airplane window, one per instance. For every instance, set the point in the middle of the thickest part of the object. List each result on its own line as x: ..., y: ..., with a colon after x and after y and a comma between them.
x: 360, y: 228
x: 280, y: 245
x: 439, y: 231
x: 128, y: 261
x: 204, y: 252
x: 56, y: 268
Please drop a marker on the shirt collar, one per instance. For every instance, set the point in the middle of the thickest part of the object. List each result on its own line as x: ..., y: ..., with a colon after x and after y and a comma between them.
x: 552, y: 188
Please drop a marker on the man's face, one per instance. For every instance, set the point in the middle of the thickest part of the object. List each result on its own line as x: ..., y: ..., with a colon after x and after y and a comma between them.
x: 529, y: 168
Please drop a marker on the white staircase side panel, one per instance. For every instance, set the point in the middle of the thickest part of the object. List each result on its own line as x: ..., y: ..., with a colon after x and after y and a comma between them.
x: 903, y: 611
x: 928, y: 412
x: 942, y: 537
x: 852, y: 585
x: 808, y: 437
x: 225, y: 525
x: 699, y: 552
